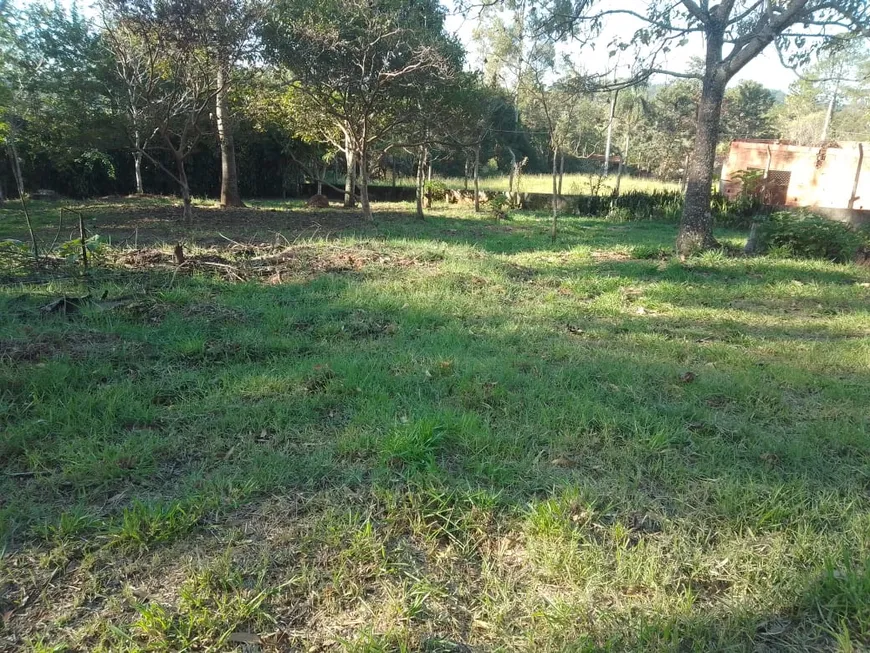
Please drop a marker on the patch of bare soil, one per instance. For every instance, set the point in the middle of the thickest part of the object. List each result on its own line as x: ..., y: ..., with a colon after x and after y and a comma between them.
x: 76, y: 346
x: 609, y: 255
x: 143, y: 258
x: 269, y: 264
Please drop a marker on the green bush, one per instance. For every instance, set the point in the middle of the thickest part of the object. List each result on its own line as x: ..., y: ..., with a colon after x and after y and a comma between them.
x: 739, y: 213
x: 499, y: 205
x: 72, y: 249
x: 436, y: 190
x: 806, y: 235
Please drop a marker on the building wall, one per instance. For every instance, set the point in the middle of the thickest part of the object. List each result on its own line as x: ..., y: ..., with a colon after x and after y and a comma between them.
x: 819, y: 177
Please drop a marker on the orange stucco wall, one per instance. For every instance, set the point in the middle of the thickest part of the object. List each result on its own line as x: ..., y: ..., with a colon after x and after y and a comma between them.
x: 819, y: 178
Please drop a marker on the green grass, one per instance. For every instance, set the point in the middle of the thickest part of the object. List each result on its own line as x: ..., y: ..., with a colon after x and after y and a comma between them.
x: 444, y: 435
x: 572, y: 184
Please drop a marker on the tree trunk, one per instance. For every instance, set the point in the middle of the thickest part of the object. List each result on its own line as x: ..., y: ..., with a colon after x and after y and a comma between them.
x: 229, y: 173
x: 419, y: 195
x: 477, y: 179
x: 321, y: 175
x: 561, y: 171
x: 621, y: 164
x: 350, y: 178
x: 555, y: 190
x: 465, y: 173
x: 696, y: 225
x: 16, y: 162
x: 427, y: 158
x: 829, y: 114
x: 364, y: 183
x: 609, y: 143
x: 187, y: 211
x: 137, y: 166
x: 512, y: 176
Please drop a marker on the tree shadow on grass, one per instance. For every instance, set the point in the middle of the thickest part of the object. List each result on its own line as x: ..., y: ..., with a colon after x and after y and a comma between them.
x: 564, y: 490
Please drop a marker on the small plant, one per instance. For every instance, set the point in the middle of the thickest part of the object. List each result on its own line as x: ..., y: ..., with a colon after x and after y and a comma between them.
x: 499, y: 205
x: 619, y: 214
x: 72, y: 249
x: 650, y: 252
x: 804, y: 234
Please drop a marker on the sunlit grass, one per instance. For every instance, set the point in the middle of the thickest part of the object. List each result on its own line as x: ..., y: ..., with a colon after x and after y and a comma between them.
x: 430, y: 435
x: 572, y: 184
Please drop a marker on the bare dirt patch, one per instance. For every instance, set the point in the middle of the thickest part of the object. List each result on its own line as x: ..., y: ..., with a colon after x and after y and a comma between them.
x: 76, y: 346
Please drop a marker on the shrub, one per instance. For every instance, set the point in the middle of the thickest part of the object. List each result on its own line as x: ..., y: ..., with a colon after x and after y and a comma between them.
x: 436, y: 190
x: 807, y: 235
x: 620, y: 214
x: 499, y: 205
x: 740, y: 213
x: 72, y: 249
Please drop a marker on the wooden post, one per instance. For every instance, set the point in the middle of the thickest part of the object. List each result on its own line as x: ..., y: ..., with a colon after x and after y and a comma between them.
x: 82, y: 238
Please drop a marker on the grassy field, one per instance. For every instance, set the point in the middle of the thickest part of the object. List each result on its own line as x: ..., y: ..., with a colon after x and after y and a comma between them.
x: 572, y: 184
x: 447, y: 435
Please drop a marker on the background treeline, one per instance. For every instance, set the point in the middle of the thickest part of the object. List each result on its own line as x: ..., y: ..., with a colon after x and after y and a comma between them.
x: 67, y: 105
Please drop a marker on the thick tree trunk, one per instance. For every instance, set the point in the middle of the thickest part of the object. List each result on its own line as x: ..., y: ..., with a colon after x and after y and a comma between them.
x: 419, y: 194
x: 229, y: 173
x: 696, y: 226
x: 350, y: 179
x: 477, y: 179
x: 364, y: 184
x: 137, y: 167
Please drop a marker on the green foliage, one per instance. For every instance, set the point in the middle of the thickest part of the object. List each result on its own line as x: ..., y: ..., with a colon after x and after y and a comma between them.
x: 804, y: 234
x: 499, y: 206
x: 71, y: 250
x: 436, y: 190
x: 144, y: 524
x: 747, y: 111
x: 664, y: 206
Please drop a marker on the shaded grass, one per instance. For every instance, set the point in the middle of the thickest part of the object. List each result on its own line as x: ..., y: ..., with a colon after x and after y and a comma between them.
x: 492, y: 444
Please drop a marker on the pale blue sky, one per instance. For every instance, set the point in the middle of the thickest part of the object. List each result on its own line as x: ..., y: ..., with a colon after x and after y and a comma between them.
x: 765, y: 69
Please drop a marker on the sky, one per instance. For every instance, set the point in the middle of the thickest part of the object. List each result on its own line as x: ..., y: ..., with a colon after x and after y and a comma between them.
x: 765, y: 69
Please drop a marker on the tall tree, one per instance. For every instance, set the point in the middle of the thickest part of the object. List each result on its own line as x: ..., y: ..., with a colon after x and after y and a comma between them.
x: 734, y: 33
x: 176, y: 89
x: 227, y: 28
x: 825, y: 103
x: 362, y: 65
x: 59, y: 112
x: 746, y: 112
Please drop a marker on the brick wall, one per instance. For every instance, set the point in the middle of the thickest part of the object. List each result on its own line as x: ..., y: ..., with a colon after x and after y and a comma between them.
x: 815, y: 177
